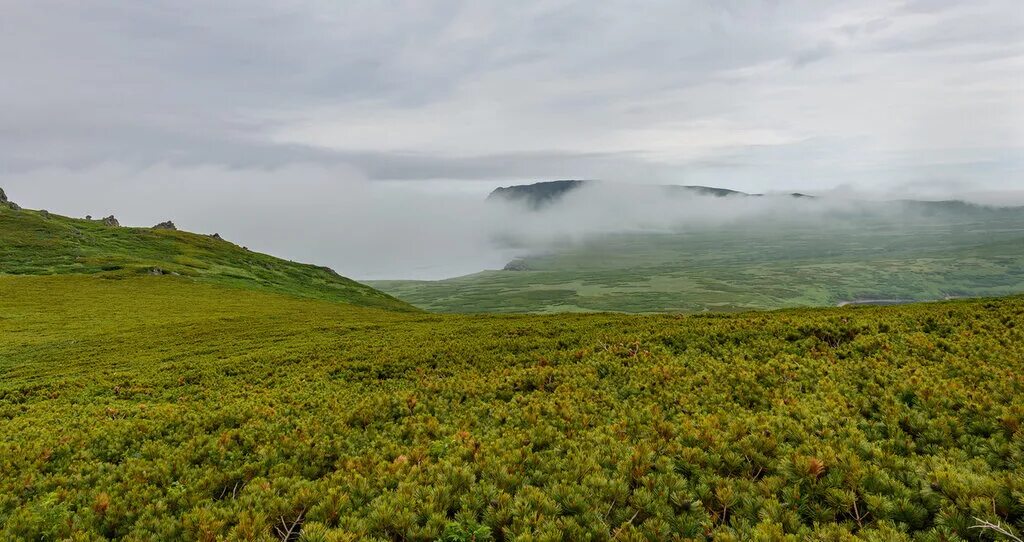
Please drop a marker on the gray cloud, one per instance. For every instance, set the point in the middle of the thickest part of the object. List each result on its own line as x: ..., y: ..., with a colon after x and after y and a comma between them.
x: 888, y: 96
x: 818, y: 52
x: 449, y: 89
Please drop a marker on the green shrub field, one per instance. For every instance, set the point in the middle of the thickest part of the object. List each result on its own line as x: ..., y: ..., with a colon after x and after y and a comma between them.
x: 142, y: 407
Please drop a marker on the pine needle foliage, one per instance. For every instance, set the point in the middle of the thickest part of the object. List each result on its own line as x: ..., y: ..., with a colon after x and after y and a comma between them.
x: 165, y: 408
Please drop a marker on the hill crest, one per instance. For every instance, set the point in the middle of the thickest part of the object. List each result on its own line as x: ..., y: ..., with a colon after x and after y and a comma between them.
x: 44, y: 243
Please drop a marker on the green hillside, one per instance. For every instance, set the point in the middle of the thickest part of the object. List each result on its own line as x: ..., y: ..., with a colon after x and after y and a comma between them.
x: 41, y: 243
x: 167, y: 408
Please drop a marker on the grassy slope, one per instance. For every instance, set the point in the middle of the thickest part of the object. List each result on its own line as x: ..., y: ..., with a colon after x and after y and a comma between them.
x: 34, y: 243
x: 160, y: 408
x: 731, y: 269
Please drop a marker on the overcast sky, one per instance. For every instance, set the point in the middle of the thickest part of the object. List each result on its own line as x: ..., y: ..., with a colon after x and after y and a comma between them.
x: 145, y: 108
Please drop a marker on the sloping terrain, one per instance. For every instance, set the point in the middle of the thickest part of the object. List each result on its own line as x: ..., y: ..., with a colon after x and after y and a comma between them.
x: 163, y: 408
x: 42, y: 243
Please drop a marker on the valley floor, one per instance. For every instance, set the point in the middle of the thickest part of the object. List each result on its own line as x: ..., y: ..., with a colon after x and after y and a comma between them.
x: 160, y: 408
x: 745, y: 268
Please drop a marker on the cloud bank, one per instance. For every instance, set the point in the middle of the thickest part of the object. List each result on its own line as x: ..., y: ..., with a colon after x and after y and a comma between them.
x: 365, y: 135
x: 368, y: 229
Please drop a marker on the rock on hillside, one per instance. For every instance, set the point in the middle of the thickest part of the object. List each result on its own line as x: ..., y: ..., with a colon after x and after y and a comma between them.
x: 516, y: 265
x: 6, y: 202
x: 111, y: 221
x: 165, y: 226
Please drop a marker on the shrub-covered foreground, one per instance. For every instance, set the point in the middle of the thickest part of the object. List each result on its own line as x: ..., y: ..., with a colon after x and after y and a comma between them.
x: 154, y: 408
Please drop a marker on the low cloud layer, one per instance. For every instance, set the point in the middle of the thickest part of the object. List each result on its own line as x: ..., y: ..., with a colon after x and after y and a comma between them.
x: 418, y: 230
x: 365, y: 135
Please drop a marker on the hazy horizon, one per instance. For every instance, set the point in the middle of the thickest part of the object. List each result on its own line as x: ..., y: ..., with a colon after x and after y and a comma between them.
x: 401, y: 230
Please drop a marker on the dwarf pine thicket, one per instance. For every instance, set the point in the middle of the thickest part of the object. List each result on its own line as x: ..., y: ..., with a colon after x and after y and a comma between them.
x: 240, y: 400
x: 158, y: 408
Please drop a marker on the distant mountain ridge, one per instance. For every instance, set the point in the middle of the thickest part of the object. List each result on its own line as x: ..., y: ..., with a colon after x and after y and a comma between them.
x: 541, y: 194
x: 544, y: 193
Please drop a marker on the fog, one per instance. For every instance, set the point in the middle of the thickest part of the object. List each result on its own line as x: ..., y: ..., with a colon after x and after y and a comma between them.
x: 402, y: 229
x: 366, y: 136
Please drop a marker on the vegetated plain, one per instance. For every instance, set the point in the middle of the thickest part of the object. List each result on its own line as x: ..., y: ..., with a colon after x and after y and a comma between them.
x: 168, y: 407
x: 925, y: 253
x: 159, y: 408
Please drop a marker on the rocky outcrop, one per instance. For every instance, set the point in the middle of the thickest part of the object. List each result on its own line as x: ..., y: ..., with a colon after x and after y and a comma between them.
x: 217, y: 237
x: 111, y: 221
x: 516, y: 265
x: 165, y: 226
x: 6, y: 202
